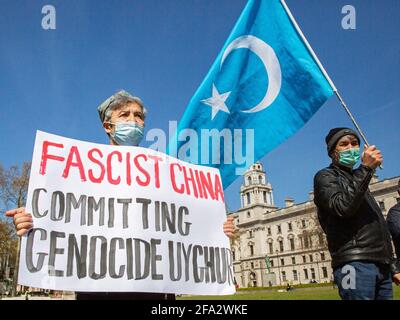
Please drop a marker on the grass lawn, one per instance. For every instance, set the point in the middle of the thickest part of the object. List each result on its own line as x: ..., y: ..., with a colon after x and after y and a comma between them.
x: 317, y: 293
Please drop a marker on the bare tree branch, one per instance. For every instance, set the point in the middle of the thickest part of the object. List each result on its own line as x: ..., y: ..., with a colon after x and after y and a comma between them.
x: 13, y: 191
x: 14, y: 185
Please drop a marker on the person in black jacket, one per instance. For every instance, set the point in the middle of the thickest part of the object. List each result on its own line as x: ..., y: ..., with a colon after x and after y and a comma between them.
x: 393, y: 221
x: 358, y: 237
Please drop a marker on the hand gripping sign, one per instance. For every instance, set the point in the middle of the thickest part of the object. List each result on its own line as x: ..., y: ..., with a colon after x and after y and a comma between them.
x: 112, y: 218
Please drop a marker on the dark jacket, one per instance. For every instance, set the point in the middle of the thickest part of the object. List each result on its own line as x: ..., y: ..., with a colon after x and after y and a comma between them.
x: 350, y: 217
x: 393, y: 221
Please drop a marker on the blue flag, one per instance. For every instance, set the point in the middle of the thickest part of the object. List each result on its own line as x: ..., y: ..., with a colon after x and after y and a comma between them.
x: 262, y: 88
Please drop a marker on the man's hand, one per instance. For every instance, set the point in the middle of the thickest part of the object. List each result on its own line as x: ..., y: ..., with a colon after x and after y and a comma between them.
x: 229, y: 227
x: 22, y: 220
x: 371, y: 157
x: 396, y: 279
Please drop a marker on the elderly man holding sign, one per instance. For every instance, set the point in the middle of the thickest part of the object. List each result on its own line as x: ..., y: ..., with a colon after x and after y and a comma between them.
x: 106, y: 221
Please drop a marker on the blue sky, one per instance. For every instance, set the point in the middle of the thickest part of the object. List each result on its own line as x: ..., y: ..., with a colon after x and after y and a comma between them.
x: 161, y: 50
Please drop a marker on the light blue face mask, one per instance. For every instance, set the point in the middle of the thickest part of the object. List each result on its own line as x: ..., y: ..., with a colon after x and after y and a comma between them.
x: 127, y: 133
x: 349, y: 157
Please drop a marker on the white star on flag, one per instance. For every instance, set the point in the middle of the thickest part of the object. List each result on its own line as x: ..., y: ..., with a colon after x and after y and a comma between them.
x: 217, y: 102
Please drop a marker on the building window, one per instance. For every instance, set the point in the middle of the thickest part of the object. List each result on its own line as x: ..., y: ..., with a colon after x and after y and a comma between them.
x: 304, y: 259
x: 260, y: 180
x: 271, y: 249
x: 324, y: 272
x: 322, y: 256
x: 251, y: 249
x: 250, y: 234
x: 382, y: 205
x: 306, y: 244
x: 303, y: 223
x: 248, y: 214
x: 295, y: 277
x: 269, y: 231
x: 272, y: 263
x: 290, y: 228
x: 281, y: 245
x: 283, y: 276
x: 249, y: 180
x: 252, y: 265
x: 312, y: 273
x: 293, y: 260
x: 233, y: 254
x: 321, y: 240
x: 265, y: 196
x: 291, y: 244
x: 279, y: 228
x: 282, y: 261
x: 311, y: 258
x: 305, y: 273
x: 248, y: 197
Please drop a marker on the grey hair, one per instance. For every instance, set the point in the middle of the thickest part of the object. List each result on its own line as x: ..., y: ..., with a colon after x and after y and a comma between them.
x: 119, y: 101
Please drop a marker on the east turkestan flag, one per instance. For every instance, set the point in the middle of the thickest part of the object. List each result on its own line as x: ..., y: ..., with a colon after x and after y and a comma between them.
x: 264, y: 85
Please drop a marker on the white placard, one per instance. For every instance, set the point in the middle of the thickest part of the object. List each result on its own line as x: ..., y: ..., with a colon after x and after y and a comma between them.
x: 128, y: 219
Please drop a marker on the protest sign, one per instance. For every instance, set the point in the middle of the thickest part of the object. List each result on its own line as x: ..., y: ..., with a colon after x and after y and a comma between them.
x: 130, y: 219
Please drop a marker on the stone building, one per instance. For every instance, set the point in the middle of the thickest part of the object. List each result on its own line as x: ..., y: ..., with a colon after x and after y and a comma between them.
x: 277, y: 246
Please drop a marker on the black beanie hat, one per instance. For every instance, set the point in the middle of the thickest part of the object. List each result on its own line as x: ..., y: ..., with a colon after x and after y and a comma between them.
x: 335, y: 134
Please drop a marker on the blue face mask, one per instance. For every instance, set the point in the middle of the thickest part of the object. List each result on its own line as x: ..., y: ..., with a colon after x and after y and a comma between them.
x: 127, y: 133
x: 349, y: 157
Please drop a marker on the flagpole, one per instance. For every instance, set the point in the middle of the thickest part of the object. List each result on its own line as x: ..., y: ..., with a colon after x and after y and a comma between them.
x: 351, y: 117
x: 310, y: 49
